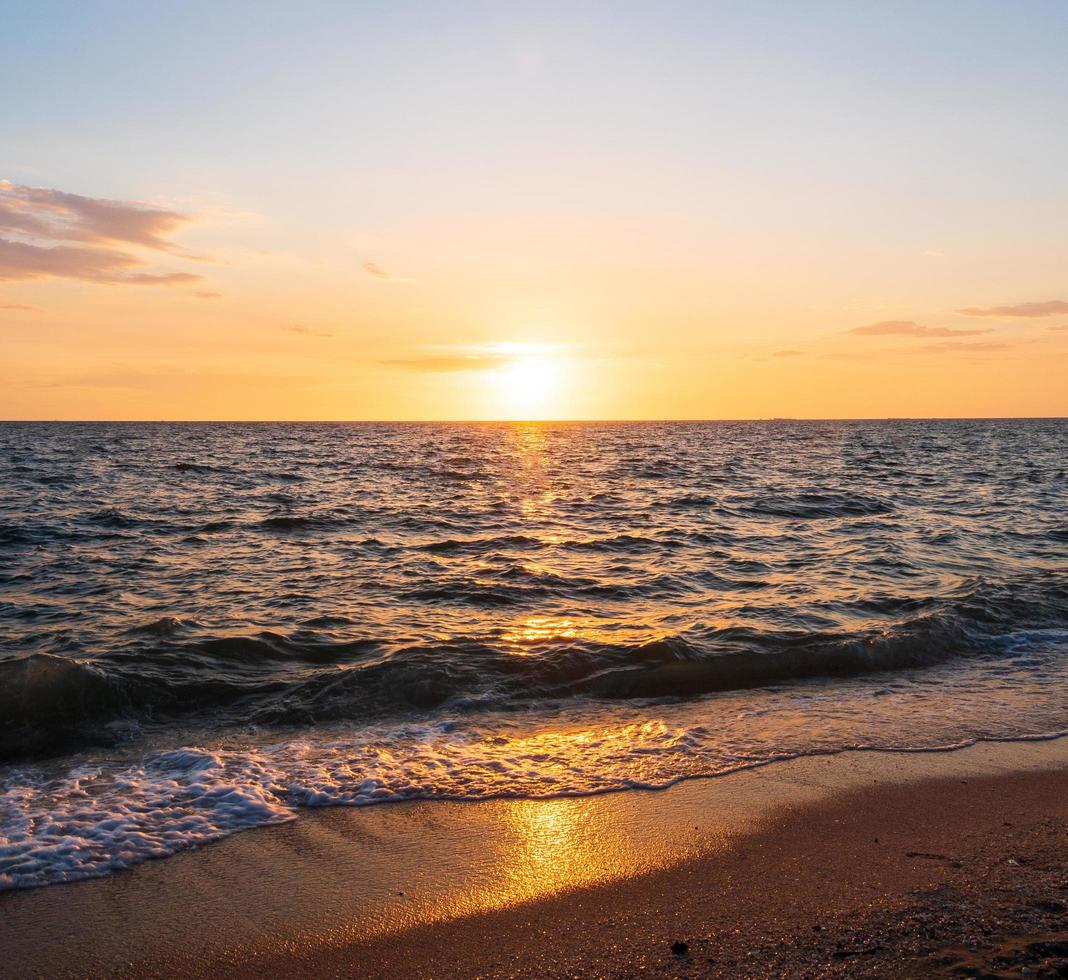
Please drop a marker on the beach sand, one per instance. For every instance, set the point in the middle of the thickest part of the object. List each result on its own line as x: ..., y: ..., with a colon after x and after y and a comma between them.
x: 858, y: 864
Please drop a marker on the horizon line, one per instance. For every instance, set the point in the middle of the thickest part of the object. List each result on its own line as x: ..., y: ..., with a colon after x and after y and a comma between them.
x: 541, y: 421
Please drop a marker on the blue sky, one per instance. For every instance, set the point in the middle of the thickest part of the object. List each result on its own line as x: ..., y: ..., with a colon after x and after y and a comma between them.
x: 952, y: 92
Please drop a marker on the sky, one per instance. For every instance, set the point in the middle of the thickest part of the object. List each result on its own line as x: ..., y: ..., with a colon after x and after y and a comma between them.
x: 490, y: 210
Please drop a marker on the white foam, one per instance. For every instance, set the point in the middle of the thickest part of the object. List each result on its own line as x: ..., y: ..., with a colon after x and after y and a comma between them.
x: 93, y: 821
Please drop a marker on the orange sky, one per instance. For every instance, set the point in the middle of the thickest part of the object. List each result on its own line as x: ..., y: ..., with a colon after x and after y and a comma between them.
x: 541, y: 213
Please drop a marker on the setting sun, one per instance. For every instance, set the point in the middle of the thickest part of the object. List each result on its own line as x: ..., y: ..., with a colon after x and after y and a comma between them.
x: 528, y: 386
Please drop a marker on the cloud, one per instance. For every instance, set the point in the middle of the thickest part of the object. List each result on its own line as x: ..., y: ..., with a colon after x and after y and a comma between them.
x: 978, y: 346
x: 61, y: 216
x: 306, y: 331
x: 373, y: 269
x: 448, y: 363
x: 156, y: 279
x: 21, y: 260
x: 21, y: 307
x: 1051, y: 307
x: 788, y: 353
x: 50, y: 233
x: 1062, y: 326
x: 450, y: 358
x: 906, y: 328
x: 206, y: 294
x: 944, y: 347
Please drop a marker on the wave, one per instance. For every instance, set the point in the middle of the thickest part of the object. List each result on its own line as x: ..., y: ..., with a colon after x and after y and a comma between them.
x: 187, y: 467
x: 615, y: 543
x: 112, y: 517
x: 479, y: 546
x: 16, y: 535
x: 817, y: 506
x: 214, y: 527
x: 299, y: 522
x: 166, y: 670
x: 47, y: 703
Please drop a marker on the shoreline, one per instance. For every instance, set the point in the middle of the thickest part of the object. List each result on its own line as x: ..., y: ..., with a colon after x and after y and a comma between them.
x: 408, y: 889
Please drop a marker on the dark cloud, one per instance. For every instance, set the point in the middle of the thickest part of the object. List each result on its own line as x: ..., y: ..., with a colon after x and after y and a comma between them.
x: 449, y: 363
x: 1051, y: 307
x: 906, y: 328
x: 57, y: 234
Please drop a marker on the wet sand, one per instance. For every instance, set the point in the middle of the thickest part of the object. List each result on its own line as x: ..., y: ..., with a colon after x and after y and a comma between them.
x: 879, y: 864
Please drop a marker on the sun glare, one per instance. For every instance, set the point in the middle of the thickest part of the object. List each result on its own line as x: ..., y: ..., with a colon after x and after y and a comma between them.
x: 529, y: 385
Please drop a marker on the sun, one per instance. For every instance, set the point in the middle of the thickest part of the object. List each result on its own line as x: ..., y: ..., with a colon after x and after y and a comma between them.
x: 528, y: 385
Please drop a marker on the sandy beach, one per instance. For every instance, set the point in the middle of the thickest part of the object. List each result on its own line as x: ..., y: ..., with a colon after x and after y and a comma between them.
x: 863, y: 863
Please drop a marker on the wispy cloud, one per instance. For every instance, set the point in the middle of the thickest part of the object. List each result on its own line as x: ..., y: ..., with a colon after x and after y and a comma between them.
x: 306, y: 331
x: 442, y: 363
x: 788, y: 353
x: 374, y: 269
x: 1060, y: 326
x: 845, y: 355
x: 443, y: 358
x: 20, y: 260
x: 21, y: 307
x: 50, y: 233
x: 381, y: 274
x: 206, y: 294
x: 907, y: 328
x: 974, y: 347
x: 1051, y: 307
x: 963, y: 348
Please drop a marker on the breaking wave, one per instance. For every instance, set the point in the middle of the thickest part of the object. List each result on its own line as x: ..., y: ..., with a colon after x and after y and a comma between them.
x: 172, y: 671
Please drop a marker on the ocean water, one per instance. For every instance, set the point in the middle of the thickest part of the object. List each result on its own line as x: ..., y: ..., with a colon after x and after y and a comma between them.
x: 207, y: 628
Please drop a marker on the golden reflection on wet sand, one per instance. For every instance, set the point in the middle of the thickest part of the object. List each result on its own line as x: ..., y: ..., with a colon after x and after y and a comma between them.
x: 561, y: 844
x: 521, y: 850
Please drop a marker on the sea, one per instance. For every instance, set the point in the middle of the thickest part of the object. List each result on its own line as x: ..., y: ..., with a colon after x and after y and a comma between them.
x: 209, y: 628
